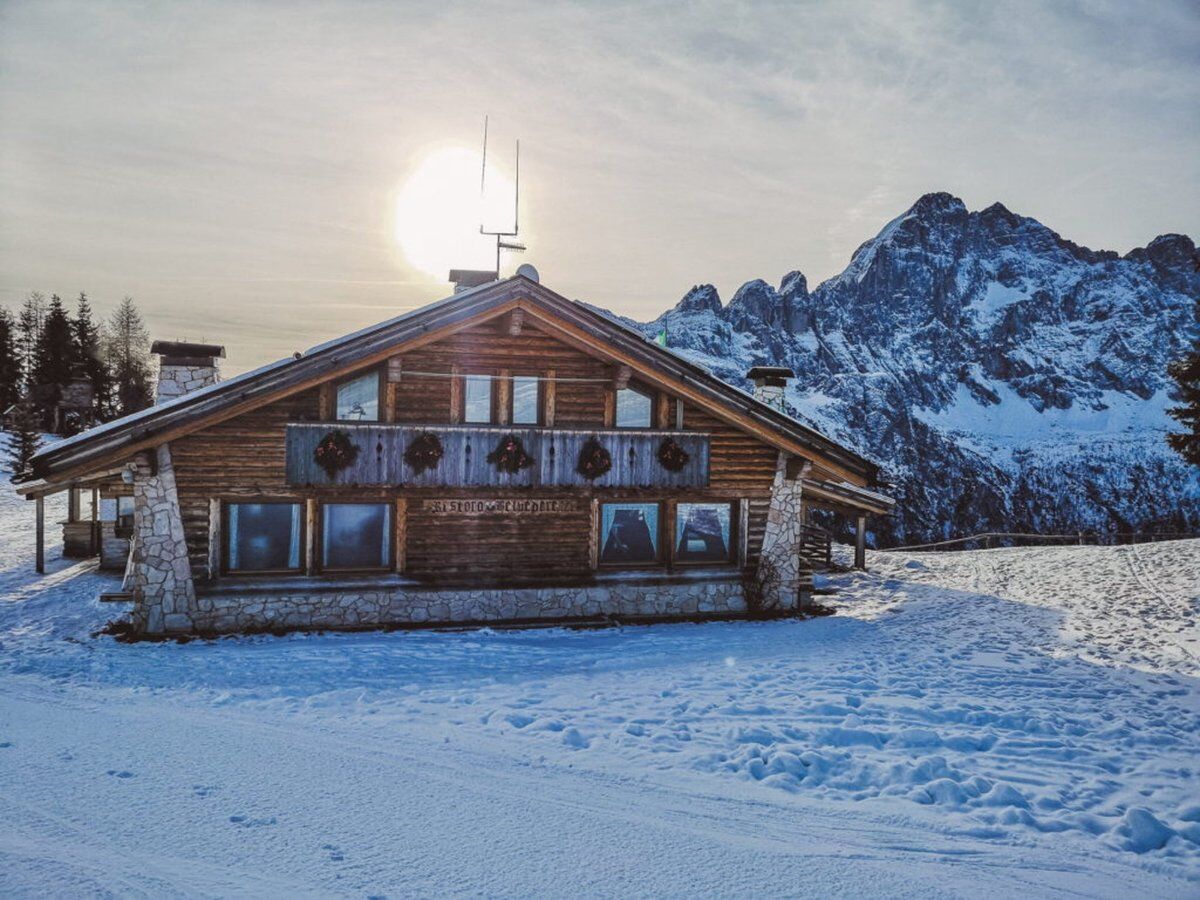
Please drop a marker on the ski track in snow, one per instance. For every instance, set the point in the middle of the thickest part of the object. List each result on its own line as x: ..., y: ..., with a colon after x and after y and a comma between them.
x: 989, y: 722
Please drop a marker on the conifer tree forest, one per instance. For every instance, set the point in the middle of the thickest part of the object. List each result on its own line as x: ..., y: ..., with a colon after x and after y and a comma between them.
x: 63, y: 369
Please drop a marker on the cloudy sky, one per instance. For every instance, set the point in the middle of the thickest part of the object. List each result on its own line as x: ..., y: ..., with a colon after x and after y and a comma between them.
x: 236, y: 168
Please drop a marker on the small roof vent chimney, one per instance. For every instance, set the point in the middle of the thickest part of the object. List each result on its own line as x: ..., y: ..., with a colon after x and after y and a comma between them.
x: 770, y: 382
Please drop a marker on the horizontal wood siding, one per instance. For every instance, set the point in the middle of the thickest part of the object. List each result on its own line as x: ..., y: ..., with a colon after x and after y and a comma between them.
x: 471, y: 543
x: 555, y: 454
x: 488, y: 348
x: 737, y: 460
x: 243, y: 456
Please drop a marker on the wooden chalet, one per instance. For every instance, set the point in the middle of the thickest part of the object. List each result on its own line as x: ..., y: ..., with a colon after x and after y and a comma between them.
x: 504, y: 454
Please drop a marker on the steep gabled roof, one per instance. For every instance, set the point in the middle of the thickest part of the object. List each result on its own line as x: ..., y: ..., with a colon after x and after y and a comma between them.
x: 571, y: 321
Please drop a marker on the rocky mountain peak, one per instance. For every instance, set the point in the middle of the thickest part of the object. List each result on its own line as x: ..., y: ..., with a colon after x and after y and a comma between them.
x: 1169, y: 251
x: 700, y: 298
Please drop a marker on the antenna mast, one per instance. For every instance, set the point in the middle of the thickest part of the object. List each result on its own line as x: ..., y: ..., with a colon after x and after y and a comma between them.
x: 501, y: 244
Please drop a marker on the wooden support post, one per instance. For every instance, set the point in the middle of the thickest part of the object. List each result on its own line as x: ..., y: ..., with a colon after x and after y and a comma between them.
x: 662, y: 417
x: 401, y: 534
x: 40, y: 558
x: 456, y: 396
x: 395, y: 371
x: 325, y: 410
x: 516, y: 320
x: 610, y: 407
x: 215, y: 538
x: 310, y: 536
x: 548, y: 396
x: 860, y: 544
x: 594, y: 537
x: 503, y: 397
x: 678, y: 414
x: 743, y: 532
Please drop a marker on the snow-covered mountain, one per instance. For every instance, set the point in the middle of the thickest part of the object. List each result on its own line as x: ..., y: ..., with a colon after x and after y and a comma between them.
x: 1007, y: 378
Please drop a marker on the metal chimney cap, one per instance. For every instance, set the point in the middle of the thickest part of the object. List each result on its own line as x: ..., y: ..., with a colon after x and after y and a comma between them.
x: 775, y: 376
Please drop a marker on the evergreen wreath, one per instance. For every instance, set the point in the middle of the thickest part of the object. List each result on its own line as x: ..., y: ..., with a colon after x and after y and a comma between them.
x: 335, y: 452
x: 671, y: 456
x: 594, y: 460
x: 423, y: 452
x: 510, y: 456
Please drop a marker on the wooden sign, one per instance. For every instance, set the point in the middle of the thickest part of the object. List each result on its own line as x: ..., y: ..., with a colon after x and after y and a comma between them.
x: 516, y: 507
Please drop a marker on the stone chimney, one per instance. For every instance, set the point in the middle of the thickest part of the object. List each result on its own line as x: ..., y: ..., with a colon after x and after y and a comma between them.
x: 185, y: 367
x: 465, y: 279
x: 769, y: 384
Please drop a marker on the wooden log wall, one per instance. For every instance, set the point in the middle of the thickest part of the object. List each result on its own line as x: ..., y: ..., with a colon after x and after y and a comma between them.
x: 245, y: 457
x: 241, y: 457
x: 474, y: 542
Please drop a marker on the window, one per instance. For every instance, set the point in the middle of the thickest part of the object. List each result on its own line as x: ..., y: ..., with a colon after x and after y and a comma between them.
x: 355, y: 535
x: 702, y: 532
x: 628, y: 533
x: 124, y: 526
x: 633, y: 409
x: 526, y: 408
x: 263, y: 537
x: 477, y: 405
x: 358, y: 399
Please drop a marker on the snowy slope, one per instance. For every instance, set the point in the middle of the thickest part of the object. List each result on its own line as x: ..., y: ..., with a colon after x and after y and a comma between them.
x: 1007, y: 378
x: 989, y: 723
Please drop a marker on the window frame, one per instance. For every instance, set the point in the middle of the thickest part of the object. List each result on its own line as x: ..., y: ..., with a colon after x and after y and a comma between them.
x: 650, y: 395
x: 319, y: 544
x: 734, y: 536
x: 512, y: 400
x: 381, y: 394
x: 226, y: 509
x: 491, y: 380
x: 661, y: 554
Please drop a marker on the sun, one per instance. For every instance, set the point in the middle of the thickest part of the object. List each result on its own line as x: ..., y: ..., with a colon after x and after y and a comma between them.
x: 439, y: 210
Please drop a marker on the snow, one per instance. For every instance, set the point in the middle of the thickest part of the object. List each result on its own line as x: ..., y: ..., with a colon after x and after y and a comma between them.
x: 983, y: 723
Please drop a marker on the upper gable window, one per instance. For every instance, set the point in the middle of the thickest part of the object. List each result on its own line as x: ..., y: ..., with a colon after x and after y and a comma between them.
x: 525, y: 405
x: 633, y: 408
x: 358, y: 399
x: 477, y: 398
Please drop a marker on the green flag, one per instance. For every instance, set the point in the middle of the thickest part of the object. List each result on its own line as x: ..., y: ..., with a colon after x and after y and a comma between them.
x: 661, y: 337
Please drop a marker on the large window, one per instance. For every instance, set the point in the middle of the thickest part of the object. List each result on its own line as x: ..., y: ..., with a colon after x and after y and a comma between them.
x: 358, y: 399
x: 702, y: 532
x: 263, y: 537
x: 525, y: 406
x: 355, y: 535
x: 477, y: 405
x: 628, y: 533
x: 633, y: 409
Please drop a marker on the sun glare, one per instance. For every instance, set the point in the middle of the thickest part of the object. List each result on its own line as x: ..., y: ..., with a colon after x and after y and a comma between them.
x: 439, y: 210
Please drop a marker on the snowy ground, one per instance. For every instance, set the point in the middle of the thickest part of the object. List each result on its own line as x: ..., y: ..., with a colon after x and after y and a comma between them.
x: 968, y: 724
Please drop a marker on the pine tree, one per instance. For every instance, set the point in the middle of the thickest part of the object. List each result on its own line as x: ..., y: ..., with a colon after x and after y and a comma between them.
x: 92, y: 362
x: 127, y: 349
x: 54, y: 362
x: 25, y: 438
x: 1186, y: 372
x: 10, y: 361
x: 29, y: 330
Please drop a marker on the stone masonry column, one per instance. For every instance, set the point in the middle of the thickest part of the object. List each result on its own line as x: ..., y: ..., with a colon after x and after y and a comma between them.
x: 159, y: 569
x: 782, y: 540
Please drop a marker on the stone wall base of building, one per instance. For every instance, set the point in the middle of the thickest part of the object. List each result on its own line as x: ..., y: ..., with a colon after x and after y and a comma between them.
x: 231, y: 612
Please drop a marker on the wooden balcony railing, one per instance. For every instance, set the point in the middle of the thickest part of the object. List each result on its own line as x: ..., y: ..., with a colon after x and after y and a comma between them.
x: 555, y: 453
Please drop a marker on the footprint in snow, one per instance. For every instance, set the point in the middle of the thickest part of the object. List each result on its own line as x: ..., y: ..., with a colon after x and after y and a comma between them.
x: 120, y: 774
x: 335, y: 852
x: 5, y: 744
x: 246, y: 822
x: 204, y: 790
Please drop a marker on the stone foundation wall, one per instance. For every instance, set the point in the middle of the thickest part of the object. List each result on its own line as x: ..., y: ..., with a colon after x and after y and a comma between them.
x: 223, y: 612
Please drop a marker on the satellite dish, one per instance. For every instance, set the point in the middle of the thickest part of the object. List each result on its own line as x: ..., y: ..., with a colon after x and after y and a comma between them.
x: 527, y: 271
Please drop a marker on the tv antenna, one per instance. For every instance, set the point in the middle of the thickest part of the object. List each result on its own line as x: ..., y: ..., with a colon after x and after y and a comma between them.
x: 501, y: 243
